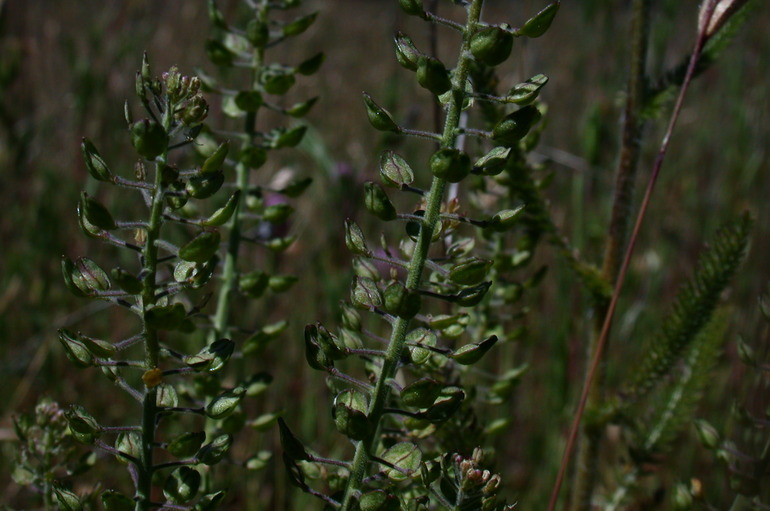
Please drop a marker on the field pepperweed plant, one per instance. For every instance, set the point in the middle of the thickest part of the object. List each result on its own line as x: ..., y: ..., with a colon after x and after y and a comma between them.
x: 435, y: 342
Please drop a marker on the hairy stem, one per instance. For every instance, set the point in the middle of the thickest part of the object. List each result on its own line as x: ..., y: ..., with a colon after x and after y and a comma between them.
x: 151, y: 346
x: 588, y: 449
x: 230, y: 268
x: 365, y: 448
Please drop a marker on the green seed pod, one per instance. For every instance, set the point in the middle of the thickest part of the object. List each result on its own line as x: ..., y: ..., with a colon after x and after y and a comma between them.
x: 213, y: 357
x: 311, y: 65
x: 68, y: 272
x: 472, y: 353
x: 225, y: 403
x: 281, y: 283
x: 205, y: 185
x: 404, y: 455
x: 95, y: 213
x: 448, y: 402
x: 513, y: 127
x: 292, y: 447
x: 707, y: 434
x: 195, y: 112
x: 378, y: 203
x: 94, y: 162
x: 166, y: 396
x: 223, y: 214
x: 182, y: 485
x: 277, y: 79
x: 526, y: 92
x: 149, y: 138
x: 201, y: 248
x: 469, y: 272
x: 211, y: 454
x: 412, y: 7
x: 351, y: 318
x: 349, y: 413
x: 378, y: 116
x: 492, y: 163
x: 400, y: 301
x: 253, y: 157
x: 328, y: 342
x: 354, y: 239
x: 248, y: 101
x: 379, y: 500
x: 254, y: 283
x: 366, y: 269
x: 186, y: 444
x: 417, y: 338
x: 301, y: 109
x: 277, y: 213
x: 115, y: 501
x: 165, y: 317
x: 82, y: 424
x: 506, y: 219
x: 299, y: 25
x: 421, y: 393
x: 218, y: 53
x: 472, y: 296
x: 281, y: 137
x: 538, y: 24
x: 407, y: 53
x: 449, y: 164
x: 214, y: 162
x: 97, y: 347
x: 258, y: 33
x: 296, y: 188
x: 395, y: 171
x: 365, y: 294
x: 68, y: 501
x: 491, y: 45
x: 215, y: 15
x: 75, y: 349
x: 316, y: 357
x: 433, y: 75
x: 89, y: 277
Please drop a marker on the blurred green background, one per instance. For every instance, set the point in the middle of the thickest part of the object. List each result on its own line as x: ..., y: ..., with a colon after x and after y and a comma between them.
x: 67, y: 68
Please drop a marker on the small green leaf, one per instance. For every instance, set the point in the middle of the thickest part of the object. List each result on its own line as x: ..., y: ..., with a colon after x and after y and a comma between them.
x: 201, y: 248
x: 406, y: 457
x: 538, y: 24
x: 182, y: 485
x: 378, y: 116
x: 395, y: 171
x: 214, y: 162
x: 94, y: 162
x: 186, y: 444
x: 472, y: 353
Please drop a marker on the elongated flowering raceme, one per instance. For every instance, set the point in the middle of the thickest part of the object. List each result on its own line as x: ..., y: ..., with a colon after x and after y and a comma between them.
x: 401, y: 403
x: 155, y: 366
x: 261, y: 88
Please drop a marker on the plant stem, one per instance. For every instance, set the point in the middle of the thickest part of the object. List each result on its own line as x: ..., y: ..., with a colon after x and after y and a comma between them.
x: 151, y: 347
x: 601, y: 341
x: 365, y: 448
x: 230, y: 268
x: 588, y: 449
